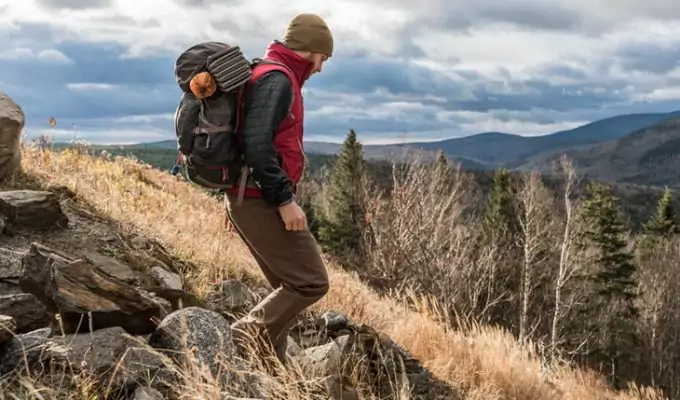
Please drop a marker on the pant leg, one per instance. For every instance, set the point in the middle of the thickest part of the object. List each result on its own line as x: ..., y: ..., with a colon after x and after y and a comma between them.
x: 273, y: 280
x: 293, y: 257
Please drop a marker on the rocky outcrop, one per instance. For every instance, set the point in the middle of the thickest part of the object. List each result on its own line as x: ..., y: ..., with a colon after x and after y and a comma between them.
x: 85, y: 296
x: 12, y: 121
x: 31, y: 210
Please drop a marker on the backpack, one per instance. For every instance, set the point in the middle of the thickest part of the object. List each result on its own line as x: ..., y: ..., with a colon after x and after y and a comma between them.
x: 212, y: 76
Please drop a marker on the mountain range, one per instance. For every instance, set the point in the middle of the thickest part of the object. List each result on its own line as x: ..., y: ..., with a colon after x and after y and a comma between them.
x: 632, y: 148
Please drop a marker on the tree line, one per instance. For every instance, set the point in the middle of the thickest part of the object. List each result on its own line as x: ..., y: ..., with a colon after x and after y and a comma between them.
x: 558, y: 267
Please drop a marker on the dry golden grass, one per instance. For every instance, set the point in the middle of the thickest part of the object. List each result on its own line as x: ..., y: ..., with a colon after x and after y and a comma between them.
x: 484, y: 363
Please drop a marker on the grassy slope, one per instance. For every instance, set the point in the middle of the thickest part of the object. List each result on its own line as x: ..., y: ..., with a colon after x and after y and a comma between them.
x: 487, y: 363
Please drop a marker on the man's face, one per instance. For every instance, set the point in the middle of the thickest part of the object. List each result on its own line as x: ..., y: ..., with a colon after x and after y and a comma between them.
x: 317, y: 59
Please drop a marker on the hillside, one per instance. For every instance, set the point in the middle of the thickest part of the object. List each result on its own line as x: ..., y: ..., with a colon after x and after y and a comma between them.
x: 480, y: 362
x: 492, y: 149
x: 649, y: 156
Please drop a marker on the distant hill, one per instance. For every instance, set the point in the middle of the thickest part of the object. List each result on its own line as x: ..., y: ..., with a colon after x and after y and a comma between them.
x: 494, y: 149
x: 649, y: 156
x: 592, y: 145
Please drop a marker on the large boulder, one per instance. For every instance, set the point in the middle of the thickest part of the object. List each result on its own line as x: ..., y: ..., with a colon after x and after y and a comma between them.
x: 204, y: 331
x: 12, y: 121
x: 78, y: 289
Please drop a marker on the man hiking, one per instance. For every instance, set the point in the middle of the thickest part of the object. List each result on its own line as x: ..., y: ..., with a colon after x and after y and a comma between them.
x: 268, y: 219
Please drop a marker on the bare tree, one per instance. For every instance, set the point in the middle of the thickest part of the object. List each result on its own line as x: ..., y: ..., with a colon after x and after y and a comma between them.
x: 423, y: 238
x: 567, y: 268
x: 534, y: 220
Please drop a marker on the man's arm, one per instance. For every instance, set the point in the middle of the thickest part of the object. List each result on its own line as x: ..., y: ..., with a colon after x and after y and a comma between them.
x: 266, y: 105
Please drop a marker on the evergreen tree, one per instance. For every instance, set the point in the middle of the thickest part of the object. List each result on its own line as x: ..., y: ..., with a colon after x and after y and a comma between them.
x: 611, y: 310
x: 662, y: 224
x: 500, y: 211
x: 442, y: 160
x: 342, y: 228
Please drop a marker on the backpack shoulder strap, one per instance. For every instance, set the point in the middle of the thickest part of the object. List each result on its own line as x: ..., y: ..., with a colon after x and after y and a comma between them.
x: 283, y: 68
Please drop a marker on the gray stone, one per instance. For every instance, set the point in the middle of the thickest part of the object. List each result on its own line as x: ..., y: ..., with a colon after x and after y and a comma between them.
x: 111, y: 354
x: 12, y: 122
x: 205, y: 332
x: 28, y: 311
x: 334, y: 321
x: 10, y: 264
x: 236, y: 294
x: 292, y: 348
x: 27, y: 347
x: 32, y: 210
x: 112, y: 266
x: 166, y: 278
x: 324, y: 360
x: 145, y: 393
x: 8, y: 327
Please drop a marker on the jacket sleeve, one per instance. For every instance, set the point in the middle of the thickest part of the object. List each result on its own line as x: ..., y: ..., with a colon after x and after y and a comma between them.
x: 266, y: 105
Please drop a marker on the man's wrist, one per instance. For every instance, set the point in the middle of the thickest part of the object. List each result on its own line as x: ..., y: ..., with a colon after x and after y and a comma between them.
x: 286, y: 202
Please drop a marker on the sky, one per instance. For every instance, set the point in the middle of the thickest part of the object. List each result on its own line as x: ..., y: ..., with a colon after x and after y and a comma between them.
x: 403, y: 70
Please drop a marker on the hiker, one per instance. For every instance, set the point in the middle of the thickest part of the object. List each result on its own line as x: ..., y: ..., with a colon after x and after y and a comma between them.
x: 268, y: 219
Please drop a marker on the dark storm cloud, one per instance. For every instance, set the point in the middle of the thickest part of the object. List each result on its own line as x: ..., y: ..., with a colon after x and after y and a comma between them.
x: 650, y: 57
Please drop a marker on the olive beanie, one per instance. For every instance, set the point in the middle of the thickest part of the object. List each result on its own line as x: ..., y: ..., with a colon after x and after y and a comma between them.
x: 308, y: 32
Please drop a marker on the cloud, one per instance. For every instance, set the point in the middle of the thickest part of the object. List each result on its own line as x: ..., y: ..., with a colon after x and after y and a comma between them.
x: 402, y: 69
x: 46, y: 55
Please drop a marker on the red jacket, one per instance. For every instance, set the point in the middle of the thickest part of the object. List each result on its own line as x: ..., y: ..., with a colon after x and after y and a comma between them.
x: 271, y: 128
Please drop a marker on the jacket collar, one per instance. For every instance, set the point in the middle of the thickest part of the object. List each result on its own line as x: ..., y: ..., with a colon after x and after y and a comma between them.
x: 300, y: 67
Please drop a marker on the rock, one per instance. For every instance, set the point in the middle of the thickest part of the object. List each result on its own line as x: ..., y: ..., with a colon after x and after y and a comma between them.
x: 12, y: 121
x: 28, y: 311
x: 236, y: 294
x: 112, y: 266
x: 9, y: 287
x: 8, y: 327
x: 207, y: 333
x: 23, y: 348
x: 111, y: 354
x: 324, y: 360
x: 292, y: 348
x: 76, y: 288
x: 32, y: 210
x: 334, y: 321
x: 166, y: 278
x: 145, y: 393
x: 233, y: 299
x: 10, y: 264
x: 177, y: 298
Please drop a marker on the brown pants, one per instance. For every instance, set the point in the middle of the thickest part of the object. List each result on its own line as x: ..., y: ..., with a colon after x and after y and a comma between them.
x: 291, y: 262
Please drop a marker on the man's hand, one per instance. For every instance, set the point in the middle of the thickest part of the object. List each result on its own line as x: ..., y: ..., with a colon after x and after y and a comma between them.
x: 293, y: 217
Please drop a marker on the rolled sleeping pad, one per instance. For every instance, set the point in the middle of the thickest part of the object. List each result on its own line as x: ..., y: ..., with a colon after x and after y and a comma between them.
x: 229, y: 68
